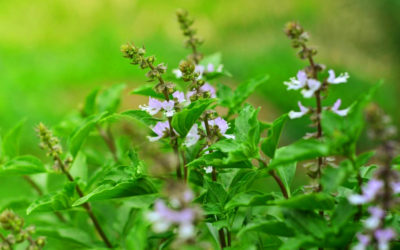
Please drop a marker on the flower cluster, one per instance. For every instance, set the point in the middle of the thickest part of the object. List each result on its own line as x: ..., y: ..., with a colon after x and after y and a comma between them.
x: 10, y: 221
x: 379, y: 191
x: 309, y: 86
x: 181, y: 214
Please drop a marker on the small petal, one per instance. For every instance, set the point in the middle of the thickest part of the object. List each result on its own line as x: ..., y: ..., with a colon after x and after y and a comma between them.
x: 220, y: 68
x: 303, y: 111
x: 384, y: 236
x: 186, y: 231
x: 313, y: 85
x: 208, y: 169
x: 180, y: 96
x: 396, y: 187
x: 342, y: 78
x: 335, y: 108
x: 210, y: 67
x: 193, y: 136
x: 153, y: 107
x: 208, y: 88
x: 357, y: 199
x: 168, y: 107
x: 178, y: 74
x: 159, y: 129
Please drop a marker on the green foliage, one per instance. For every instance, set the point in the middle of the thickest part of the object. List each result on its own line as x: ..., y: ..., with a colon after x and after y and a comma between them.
x: 23, y: 165
x: 270, y: 143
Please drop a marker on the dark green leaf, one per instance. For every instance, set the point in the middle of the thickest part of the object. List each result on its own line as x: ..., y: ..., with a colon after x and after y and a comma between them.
x: 306, y: 223
x: 183, y: 121
x: 270, y: 144
x: 313, y: 201
x: 268, y: 227
x: 332, y: 177
x: 247, y: 128
x: 23, y: 165
x: 247, y: 199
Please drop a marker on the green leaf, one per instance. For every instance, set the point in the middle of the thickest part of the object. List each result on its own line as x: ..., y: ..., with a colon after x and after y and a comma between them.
x: 268, y: 227
x: 112, y: 190
x: 225, y: 95
x: 54, y: 202
x: 216, y: 197
x: 306, y: 223
x: 11, y: 140
x: 110, y: 98
x: 332, y: 177
x: 286, y: 174
x: 147, y: 90
x: 313, y: 201
x: 141, y: 116
x: 66, y: 234
x: 183, y: 121
x: 342, y: 214
x: 299, y: 151
x: 89, y: 107
x: 219, y: 160
x: 247, y: 128
x: 363, y: 158
x: 245, y: 89
x: 270, y: 144
x: 23, y: 165
x: 215, y: 59
x: 81, y: 133
x: 246, y: 199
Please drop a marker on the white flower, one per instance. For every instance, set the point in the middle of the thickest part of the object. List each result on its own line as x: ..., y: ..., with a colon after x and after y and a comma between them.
x: 193, y: 136
x: 160, y: 129
x: 313, y: 85
x: 298, y: 83
x: 168, y: 107
x: 342, y: 78
x: 302, y: 112
x: 153, y: 107
x: 335, y: 108
x: 186, y: 230
x: 178, y: 74
x: 222, y: 126
x: 179, y: 96
x: 208, y: 169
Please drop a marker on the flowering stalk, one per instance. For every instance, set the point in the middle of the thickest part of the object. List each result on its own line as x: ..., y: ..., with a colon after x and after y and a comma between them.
x: 189, y: 32
x: 166, y: 88
x: 51, y: 144
x: 379, y: 193
x: 307, y: 81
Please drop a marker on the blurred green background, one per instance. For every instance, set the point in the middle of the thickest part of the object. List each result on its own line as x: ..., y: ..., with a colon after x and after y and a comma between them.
x: 52, y: 53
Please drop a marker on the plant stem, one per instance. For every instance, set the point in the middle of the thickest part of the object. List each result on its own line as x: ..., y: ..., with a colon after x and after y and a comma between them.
x: 87, y: 205
x: 109, y: 140
x: 173, y: 136
x: 185, y: 169
x: 280, y: 183
x: 40, y: 193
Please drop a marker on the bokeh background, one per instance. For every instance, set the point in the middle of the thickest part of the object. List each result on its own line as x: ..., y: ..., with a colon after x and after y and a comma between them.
x: 52, y: 53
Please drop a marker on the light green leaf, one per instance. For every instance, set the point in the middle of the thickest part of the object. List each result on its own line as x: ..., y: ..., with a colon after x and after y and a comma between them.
x: 299, y: 151
x: 81, y: 133
x: 147, y: 90
x: 11, y: 140
x: 109, y: 99
x: 111, y: 190
x: 89, y: 107
x: 270, y: 144
x: 23, y: 165
x: 141, y: 116
x: 183, y: 121
x: 54, y: 202
x: 286, y: 174
x: 246, y: 199
x: 247, y: 128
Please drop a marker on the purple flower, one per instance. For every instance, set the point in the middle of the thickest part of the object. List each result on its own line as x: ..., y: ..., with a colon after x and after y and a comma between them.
x: 179, y: 96
x: 298, y: 83
x: 222, y: 126
x: 190, y: 94
x: 153, y: 107
x: 363, y: 240
x: 376, y: 215
x: 193, y: 136
x: 161, y: 128
x: 396, y: 187
x: 335, y: 108
x: 210, y: 67
x: 332, y: 79
x: 208, y: 88
x: 313, y: 85
x: 200, y: 70
x: 303, y: 111
x: 383, y: 236
x: 369, y: 192
x: 168, y: 107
